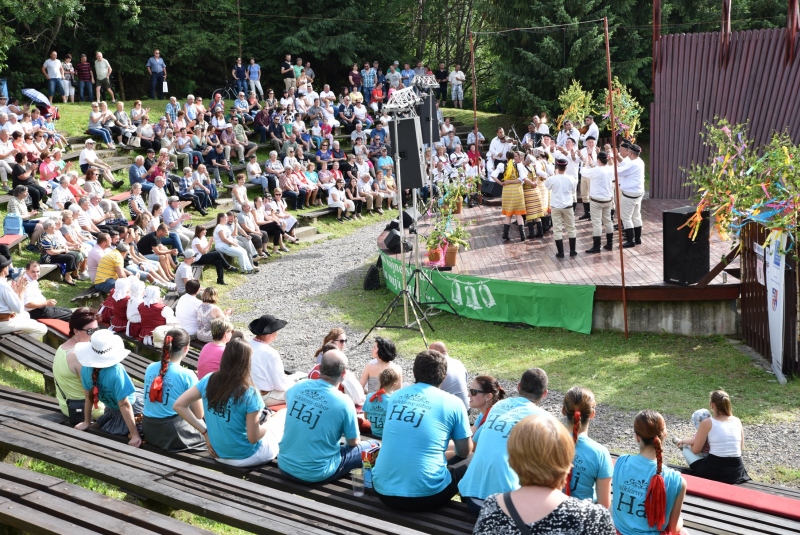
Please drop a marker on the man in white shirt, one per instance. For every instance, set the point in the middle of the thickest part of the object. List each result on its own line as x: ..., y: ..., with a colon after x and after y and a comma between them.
x: 54, y: 72
x: 532, y: 138
x: 601, y: 195
x: 88, y: 158
x: 567, y: 132
x: 498, y: 148
x: 541, y: 127
x: 174, y: 218
x: 327, y: 95
x: 588, y: 157
x: 186, y: 308
x: 631, y: 188
x: 96, y: 254
x: 456, y: 79
x: 266, y: 366
x: 13, y: 317
x: 7, y: 152
x: 456, y: 381
x: 572, y: 156
x: 183, y: 273
x: 36, y: 304
x: 157, y: 195
x: 592, y: 130
x: 562, y: 189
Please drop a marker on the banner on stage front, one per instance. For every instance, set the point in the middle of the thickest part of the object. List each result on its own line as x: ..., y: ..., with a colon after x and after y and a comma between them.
x: 776, y: 267
x: 543, y: 305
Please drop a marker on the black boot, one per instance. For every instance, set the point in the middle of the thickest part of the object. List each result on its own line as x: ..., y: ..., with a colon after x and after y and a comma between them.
x: 613, y: 213
x: 560, y: 247
x: 586, y: 215
x: 521, y: 232
x: 574, y: 207
x: 548, y: 223
x: 595, y: 245
x: 531, y: 229
x: 629, y: 238
x: 539, y: 230
x: 609, y: 241
x: 505, y: 232
x: 637, y: 235
x: 572, y: 251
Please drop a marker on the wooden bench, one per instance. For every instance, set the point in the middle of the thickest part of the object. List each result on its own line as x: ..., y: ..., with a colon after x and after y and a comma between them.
x: 312, y: 216
x: 40, y: 504
x: 121, y: 197
x: 89, y: 293
x: 4, y: 199
x: 175, y: 483
x: 13, y: 240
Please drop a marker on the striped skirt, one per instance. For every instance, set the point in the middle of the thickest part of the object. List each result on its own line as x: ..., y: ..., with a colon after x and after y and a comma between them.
x: 533, y: 202
x: 513, y: 200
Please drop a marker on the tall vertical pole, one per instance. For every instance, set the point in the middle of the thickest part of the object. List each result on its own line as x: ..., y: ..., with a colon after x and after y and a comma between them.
x: 400, y: 221
x: 239, y: 17
x: 616, y: 174
x: 474, y: 94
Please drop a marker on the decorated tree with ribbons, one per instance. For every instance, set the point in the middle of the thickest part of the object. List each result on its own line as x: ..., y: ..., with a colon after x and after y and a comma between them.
x: 627, y: 111
x: 576, y: 103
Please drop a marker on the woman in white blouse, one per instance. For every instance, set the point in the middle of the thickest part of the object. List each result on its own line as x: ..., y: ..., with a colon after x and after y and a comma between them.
x: 239, y: 193
x: 227, y: 245
x: 278, y: 206
x: 337, y: 198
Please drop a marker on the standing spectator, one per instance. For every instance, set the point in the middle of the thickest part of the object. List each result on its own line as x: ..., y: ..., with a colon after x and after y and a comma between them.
x: 310, y: 72
x: 69, y: 77
x: 442, y: 77
x: 254, y: 77
x: 103, y: 71
x: 457, y: 79
x: 369, y: 78
x: 287, y: 72
x: 54, y: 73
x: 239, y: 73
x: 407, y: 75
x: 85, y: 78
x: 157, y: 70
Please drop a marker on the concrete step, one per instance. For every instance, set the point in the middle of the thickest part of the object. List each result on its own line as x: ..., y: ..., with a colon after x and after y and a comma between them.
x: 74, y: 140
x: 102, y: 153
x: 315, y: 238
x: 305, y: 233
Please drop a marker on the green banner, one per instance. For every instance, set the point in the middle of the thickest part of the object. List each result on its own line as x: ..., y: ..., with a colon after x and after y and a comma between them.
x: 543, y: 305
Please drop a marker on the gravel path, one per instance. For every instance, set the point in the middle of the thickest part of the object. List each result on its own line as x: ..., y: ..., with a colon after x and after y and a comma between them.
x: 288, y: 287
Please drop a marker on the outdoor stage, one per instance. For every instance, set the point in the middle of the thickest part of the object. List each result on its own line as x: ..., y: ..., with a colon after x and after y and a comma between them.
x: 653, y: 306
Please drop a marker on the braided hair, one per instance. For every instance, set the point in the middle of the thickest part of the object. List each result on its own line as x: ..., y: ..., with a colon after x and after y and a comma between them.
x: 95, y: 389
x: 176, y: 341
x: 649, y: 425
x: 578, y: 406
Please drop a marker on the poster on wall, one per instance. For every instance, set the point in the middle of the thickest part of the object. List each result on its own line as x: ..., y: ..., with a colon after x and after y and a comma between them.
x: 759, y: 263
x: 776, y: 264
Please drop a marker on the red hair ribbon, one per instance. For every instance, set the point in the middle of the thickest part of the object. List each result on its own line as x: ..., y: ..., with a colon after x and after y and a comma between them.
x: 378, y: 395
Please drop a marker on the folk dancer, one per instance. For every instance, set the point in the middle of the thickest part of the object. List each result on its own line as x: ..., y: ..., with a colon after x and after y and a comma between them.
x: 570, y: 153
x: 588, y: 156
x: 513, y: 198
x: 543, y: 167
x: 562, y: 189
x: 601, y: 195
x: 534, y: 208
x: 631, y: 185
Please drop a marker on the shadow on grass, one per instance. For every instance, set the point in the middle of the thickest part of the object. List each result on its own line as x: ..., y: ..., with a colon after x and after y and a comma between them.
x: 669, y: 373
x: 17, y: 377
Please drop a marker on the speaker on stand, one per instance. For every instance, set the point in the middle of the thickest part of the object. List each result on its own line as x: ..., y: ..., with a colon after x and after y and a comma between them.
x: 409, y: 147
x: 686, y: 261
x: 427, y: 115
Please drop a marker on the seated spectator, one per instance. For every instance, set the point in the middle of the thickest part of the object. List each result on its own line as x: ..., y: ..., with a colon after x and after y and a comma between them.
x: 104, y: 379
x: 62, y: 197
x: 174, y: 218
x: 278, y: 206
x: 267, y: 367
x: 186, y: 308
x: 110, y: 267
x: 337, y: 198
x: 147, y: 135
x: 270, y: 224
x: 137, y: 289
x: 165, y: 382
x: 202, y: 181
x: 210, y: 355
x: 36, y: 305
x: 655, y: 508
x: 226, y: 243
x: 377, y: 402
x: 484, y: 392
x: 247, y: 222
x: 238, y: 431
x: 54, y: 250
x: 11, y: 301
x: 88, y: 158
x: 411, y: 473
x: 119, y: 305
x: 590, y: 477
x: 310, y: 445
x: 136, y: 203
x: 209, y: 311
x: 67, y: 369
x: 489, y: 472
x: 184, y: 272
x: 22, y: 174
x: 239, y: 193
x: 154, y: 313
x: 217, y: 163
x: 247, y: 146
x: 191, y: 190
x: 77, y: 239
x: 725, y: 436
x: 151, y: 247
x: 540, y: 451
x: 96, y: 128
x: 383, y: 355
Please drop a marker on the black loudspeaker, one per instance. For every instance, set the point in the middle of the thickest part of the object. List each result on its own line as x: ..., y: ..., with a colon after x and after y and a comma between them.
x: 427, y: 115
x: 392, y: 242
x: 410, y: 216
x: 490, y: 188
x: 686, y: 261
x: 409, y: 145
x: 373, y: 279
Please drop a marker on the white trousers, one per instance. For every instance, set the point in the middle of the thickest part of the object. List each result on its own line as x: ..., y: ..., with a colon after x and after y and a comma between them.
x: 22, y: 322
x: 563, y: 217
x: 601, y: 217
x: 630, y: 210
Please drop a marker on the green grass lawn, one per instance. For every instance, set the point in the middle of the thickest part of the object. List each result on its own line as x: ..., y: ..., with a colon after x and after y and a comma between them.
x: 669, y: 373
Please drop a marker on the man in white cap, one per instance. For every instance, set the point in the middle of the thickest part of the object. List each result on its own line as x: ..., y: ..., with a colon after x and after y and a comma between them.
x: 13, y: 317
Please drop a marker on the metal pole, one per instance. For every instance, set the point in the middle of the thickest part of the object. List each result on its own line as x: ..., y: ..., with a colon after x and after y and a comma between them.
x: 474, y: 95
x: 400, y: 222
x: 616, y: 175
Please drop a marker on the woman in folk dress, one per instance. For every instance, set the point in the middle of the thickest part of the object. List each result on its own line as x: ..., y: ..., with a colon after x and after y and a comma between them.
x: 513, y: 198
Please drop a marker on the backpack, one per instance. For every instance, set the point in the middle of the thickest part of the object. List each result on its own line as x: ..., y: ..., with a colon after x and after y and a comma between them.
x: 373, y: 279
x: 12, y: 224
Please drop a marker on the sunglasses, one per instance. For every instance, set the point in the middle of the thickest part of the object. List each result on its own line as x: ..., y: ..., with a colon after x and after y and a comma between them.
x: 343, y: 340
x: 90, y: 331
x: 473, y: 392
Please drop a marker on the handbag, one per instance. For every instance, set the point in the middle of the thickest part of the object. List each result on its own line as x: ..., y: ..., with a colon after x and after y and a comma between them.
x: 135, y: 142
x: 74, y: 407
x: 164, y: 87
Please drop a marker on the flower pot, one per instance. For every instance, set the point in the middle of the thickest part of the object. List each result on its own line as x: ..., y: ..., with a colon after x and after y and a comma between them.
x: 434, y: 255
x: 451, y: 257
x: 458, y: 206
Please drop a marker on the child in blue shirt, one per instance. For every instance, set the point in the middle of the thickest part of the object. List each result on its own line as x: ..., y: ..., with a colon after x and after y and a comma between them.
x: 377, y: 402
x: 590, y: 477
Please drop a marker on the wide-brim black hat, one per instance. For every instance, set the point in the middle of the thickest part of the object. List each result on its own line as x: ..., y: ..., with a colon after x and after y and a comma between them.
x: 266, y: 324
x: 4, y: 262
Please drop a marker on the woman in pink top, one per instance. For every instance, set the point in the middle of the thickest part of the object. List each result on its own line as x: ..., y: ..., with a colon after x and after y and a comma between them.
x: 211, y: 354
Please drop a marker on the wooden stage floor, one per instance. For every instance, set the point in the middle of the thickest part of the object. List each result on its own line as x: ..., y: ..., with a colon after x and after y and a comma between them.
x: 535, y: 260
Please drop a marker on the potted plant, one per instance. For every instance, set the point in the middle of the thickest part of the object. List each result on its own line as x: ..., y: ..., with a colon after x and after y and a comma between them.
x: 436, y: 243
x: 457, y: 237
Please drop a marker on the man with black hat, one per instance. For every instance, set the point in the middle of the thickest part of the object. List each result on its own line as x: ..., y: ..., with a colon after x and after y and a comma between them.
x: 562, y: 189
x: 631, y: 185
x: 601, y: 194
x: 13, y: 317
x: 266, y: 367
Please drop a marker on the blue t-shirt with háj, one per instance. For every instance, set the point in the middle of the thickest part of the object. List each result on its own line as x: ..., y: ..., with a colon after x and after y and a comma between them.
x: 176, y: 381
x: 376, y: 412
x: 629, y: 484
x: 317, y: 416
x: 488, y: 472
x: 420, y: 422
x: 254, y: 69
x: 592, y: 462
x: 227, y: 430
x: 114, y: 384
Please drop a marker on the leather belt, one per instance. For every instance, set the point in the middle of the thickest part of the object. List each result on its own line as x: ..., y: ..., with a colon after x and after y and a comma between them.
x: 7, y: 316
x: 631, y: 196
x: 598, y: 201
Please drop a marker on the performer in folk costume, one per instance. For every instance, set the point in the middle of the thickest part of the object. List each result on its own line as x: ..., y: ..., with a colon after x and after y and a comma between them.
x: 513, y: 198
x: 562, y: 188
x: 601, y: 195
x: 543, y: 168
x: 534, y: 209
x: 588, y: 156
x: 631, y: 187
